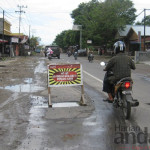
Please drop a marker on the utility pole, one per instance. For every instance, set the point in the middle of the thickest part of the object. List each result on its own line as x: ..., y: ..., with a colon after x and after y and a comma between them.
x: 20, y: 12
x: 29, y: 37
x: 80, y: 36
x: 144, y: 25
x: 3, y: 32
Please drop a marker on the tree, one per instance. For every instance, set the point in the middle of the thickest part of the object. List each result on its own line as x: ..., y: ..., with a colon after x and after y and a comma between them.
x: 34, y: 41
x: 147, y: 21
x: 67, y: 38
x: 100, y: 21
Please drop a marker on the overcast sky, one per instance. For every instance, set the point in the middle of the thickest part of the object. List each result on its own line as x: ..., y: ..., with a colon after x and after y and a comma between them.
x: 47, y: 18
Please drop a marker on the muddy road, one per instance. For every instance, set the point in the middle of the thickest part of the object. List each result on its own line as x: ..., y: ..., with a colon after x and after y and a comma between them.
x: 27, y: 123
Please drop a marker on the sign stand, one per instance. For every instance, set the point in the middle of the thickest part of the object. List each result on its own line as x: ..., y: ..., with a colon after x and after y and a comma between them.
x: 49, y: 97
x: 82, y: 101
x: 65, y: 75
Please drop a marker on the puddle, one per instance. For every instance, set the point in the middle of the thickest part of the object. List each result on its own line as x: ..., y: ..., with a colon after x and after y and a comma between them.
x: 66, y: 104
x: 23, y: 88
x: 40, y: 68
x: 28, y: 80
x: 147, y: 79
x: 39, y: 102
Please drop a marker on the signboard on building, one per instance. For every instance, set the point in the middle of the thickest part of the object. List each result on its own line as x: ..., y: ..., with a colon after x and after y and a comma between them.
x: 89, y: 41
x: 65, y: 75
x: 14, y: 40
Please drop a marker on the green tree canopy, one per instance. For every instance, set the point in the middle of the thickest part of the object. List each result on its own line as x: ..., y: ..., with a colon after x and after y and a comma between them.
x: 99, y: 20
x: 34, y: 41
x: 147, y: 21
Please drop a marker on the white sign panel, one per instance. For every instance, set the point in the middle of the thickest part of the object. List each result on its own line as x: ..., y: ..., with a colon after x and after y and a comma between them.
x: 14, y: 40
x: 76, y: 27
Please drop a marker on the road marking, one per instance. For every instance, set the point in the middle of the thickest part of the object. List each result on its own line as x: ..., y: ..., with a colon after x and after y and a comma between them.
x: 93, y: 76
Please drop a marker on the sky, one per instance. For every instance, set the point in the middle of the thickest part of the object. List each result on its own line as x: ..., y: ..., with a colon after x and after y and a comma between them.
x: 48, y: 18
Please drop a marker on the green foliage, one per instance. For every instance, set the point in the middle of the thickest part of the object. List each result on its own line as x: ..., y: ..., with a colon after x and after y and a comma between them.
x: 34, y: 41
x: 66, y: 38
x: 99, y: 20
x: 147, y: 21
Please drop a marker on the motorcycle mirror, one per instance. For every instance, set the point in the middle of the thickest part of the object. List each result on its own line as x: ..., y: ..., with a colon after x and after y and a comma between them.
x: 102, y: 63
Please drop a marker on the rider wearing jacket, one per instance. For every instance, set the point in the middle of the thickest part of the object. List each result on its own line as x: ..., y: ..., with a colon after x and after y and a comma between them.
x: 120, y: 65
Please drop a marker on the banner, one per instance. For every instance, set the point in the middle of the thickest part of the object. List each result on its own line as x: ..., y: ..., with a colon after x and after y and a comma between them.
x: 64, y: 75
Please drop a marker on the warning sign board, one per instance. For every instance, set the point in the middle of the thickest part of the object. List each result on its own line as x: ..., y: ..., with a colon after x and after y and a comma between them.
x: 64, y: 75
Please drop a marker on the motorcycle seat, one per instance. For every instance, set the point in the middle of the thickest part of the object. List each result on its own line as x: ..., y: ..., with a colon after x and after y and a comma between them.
x: 125, y: 79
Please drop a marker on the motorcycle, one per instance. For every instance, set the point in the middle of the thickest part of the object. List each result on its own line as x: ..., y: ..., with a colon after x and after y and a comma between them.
x: 75, y: 55
x: 122, y: 94
x: 49, y: 56
x: 69, y: 54
x: 90, y: 57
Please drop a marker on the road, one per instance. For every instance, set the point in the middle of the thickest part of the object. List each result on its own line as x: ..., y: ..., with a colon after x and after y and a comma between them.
x: 26, y: 122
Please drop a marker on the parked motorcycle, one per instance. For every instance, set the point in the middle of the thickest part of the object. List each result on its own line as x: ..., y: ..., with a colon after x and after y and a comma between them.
x: 122, y: 94
x: 90, y: 57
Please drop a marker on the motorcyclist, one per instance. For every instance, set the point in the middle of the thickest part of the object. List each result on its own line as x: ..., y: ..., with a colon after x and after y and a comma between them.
x: 75, y: 54
x: 90, y: 55
x: 120, y: 65
x: 49, y: 52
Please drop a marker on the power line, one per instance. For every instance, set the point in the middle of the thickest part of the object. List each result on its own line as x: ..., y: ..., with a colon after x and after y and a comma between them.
x: 140, y: 13
x: 11, y: 15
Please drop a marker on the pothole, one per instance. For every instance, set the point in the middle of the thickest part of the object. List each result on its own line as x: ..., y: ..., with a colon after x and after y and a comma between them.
x: 28, y: 80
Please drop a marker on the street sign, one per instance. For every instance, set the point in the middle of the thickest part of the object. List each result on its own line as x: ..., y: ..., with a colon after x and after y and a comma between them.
x: 77, y: 27
x: 64, y: 75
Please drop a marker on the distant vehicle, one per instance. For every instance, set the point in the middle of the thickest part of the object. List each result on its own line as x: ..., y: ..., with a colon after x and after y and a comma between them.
x: 55, y: 49
x: 82, y: 52
x: 37, y: 50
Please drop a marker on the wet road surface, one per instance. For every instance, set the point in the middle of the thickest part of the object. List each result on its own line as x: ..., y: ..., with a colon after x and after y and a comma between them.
x: 26, y: 122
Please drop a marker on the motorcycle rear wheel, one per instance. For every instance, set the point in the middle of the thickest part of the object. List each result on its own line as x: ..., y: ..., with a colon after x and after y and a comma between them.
x: 126, y: 109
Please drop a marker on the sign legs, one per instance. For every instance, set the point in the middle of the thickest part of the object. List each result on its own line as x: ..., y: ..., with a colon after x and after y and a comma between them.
x: 82, y: 101
x: 49, y: 97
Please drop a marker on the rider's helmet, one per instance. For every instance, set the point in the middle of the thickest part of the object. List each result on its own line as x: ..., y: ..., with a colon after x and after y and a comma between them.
x: 119, y: 46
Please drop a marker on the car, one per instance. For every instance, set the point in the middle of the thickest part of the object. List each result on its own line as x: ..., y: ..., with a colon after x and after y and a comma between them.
x: 82, y: 52
x: 55, y: 49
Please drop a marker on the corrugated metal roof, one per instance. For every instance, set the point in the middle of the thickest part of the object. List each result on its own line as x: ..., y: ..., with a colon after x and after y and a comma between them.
x: 125, y: 31
x: 140, y: 28
x: 136, y: 28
